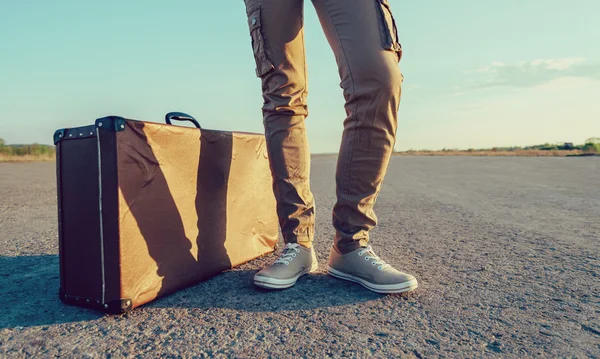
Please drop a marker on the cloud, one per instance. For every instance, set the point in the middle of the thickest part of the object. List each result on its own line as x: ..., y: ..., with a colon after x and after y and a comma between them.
x: 491, y: 68
x: 565, y: 82
x: 528, y: 74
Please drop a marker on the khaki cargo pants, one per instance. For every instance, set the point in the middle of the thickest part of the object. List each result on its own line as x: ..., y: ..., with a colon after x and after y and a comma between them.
x: 364, y: 39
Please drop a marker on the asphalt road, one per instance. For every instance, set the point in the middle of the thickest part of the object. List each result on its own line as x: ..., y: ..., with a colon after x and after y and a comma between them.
x: 506, y: 251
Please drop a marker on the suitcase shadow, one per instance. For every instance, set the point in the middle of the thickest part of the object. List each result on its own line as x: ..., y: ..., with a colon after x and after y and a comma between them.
x: 29, y: 297
x: 29, y: 294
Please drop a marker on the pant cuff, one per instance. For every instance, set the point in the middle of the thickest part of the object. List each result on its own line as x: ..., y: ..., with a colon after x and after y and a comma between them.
x: 298, y: 238
x: 347, y: 243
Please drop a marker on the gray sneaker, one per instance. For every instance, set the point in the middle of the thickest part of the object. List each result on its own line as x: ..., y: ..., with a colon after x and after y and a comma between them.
x: 294, y: 262
x: 363, y: 266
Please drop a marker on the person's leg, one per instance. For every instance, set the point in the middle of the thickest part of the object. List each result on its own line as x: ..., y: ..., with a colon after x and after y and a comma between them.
x: 276, y: 28
x: 363, y: 36
x: 277, y: 34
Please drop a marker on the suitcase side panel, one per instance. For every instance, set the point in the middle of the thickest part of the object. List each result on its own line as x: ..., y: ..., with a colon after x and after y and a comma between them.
x: 183, y: 216
x: 87, y: 219
x: 79, y: 229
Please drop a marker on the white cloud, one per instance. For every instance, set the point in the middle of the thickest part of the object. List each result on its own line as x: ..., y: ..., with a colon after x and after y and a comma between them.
x: 562, y: 64
x: 566, y: 82
x: 491, y: 68
x: 488, y: 69
x: 535, y: 73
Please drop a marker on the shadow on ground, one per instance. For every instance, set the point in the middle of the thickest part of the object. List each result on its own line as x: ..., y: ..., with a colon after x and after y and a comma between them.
x: 29, y: 294
x: 235, y: 290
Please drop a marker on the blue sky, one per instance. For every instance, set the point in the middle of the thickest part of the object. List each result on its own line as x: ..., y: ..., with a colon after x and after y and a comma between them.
x: 477, y: 73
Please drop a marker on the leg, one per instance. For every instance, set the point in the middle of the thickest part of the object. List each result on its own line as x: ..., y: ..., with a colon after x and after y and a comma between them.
x: 278, y: 43
x: 363, y: 36
x: 364, y: 40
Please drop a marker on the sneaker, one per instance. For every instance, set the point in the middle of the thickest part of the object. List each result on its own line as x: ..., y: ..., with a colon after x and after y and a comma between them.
x: 364, y: 267
x: 294, y: 262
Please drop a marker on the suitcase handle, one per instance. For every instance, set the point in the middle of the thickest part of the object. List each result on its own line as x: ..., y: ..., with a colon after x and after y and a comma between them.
x: 180, y: 116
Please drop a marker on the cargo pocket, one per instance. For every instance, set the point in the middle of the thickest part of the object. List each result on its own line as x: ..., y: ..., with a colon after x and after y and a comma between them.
x: 388, y: 30
x: 263, y: 64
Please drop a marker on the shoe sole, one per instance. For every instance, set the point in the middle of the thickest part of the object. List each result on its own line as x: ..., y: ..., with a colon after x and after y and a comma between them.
x: 378, y: 288
x: 272, y: 283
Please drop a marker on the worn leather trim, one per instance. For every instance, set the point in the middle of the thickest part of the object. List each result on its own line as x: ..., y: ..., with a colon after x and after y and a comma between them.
x: 74, y: 133
x: 119, y: 306
x: 111, y: 123
x: 110, y: 207
x: 60, y: 215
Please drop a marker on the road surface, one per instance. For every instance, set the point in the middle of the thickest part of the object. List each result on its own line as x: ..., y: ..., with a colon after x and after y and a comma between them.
x: 506, y: 251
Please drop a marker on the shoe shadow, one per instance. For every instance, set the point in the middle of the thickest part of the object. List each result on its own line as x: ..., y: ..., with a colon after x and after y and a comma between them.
x: 29, y: 294
x: 235, y: 290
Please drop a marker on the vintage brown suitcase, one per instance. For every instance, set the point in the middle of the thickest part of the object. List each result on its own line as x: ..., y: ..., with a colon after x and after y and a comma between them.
x: 145, y: 209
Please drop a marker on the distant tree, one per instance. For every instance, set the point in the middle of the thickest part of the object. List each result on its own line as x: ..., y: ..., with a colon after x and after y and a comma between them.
x: 593, y: 140
x: 2, y: 143
x: 591, y: 148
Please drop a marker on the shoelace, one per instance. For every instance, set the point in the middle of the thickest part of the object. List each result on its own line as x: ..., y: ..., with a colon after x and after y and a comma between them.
x: 376, y: 261
x: 288, y: 254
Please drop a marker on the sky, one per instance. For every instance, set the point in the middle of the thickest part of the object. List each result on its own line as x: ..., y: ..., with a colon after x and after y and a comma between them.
x: 478, y: 74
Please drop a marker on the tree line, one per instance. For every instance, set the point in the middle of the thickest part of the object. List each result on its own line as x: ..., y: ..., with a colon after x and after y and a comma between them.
x: 23, y: 150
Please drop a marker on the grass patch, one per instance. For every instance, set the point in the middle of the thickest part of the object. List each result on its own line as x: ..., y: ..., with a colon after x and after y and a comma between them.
x: 545, y: 150
x: 26, y: 153
x: 26, y: 158
x: 519, y: 153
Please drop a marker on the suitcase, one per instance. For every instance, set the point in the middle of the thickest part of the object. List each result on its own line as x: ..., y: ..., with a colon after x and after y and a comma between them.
x: 146, y: 209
